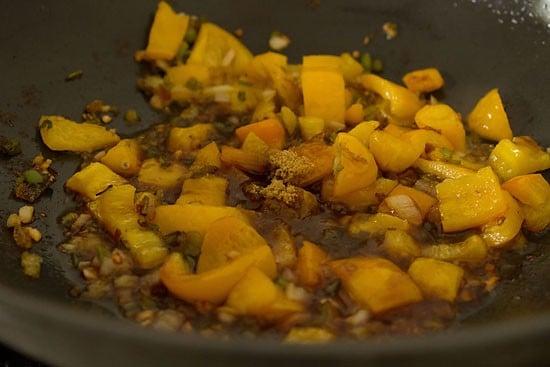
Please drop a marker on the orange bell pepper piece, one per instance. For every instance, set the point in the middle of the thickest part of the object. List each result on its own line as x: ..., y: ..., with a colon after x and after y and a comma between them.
x: 309, y: 265
x: 271, y: 131
x: 423, y: 80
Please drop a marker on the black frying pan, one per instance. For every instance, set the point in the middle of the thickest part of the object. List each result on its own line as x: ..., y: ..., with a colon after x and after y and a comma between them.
x: 477, y: 46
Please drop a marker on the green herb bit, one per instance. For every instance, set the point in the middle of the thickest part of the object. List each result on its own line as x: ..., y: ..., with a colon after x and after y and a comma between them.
x: 241, y: 96
x: 77, y: 74
x: 32, y: 176
x: 46, y: 124
x: 377, y: 66
x: 131, y: 116
x: 193, y: 84
x: 9, y: 147
x: 366, y: 61
x: 190, y: 35
x: 68, y: 219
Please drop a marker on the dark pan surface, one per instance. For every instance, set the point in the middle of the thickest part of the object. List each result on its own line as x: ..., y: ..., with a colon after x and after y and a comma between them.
x: 477, y: 45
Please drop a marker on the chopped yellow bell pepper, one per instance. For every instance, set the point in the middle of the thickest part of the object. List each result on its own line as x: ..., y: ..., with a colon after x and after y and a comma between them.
x: 115, y: 210
x: 187, y: 139
x: 124, y: 158
x: 59, y: 133
x: 488, y: 119
x: 228, y: 238
x: 93, y: 179
x: 242, y: 159
x: 191, y: 217
x: 375, y: 223
x: 470, y: 201
x: 472, y: 250
x: 537, y: 218
x: 354, y: 166
x: 363, y: 131
x: 530, y: 189
x: 308, y: 335
x: 424, y: 80
x: 394, y: 154
x: 519, y: 156
x: 354, y: 114
x: 360, y: 199
x: 191, y: 76
x: 212, y: 286
x: 269, y: 69
x: 154, y: 173
x: 256, y: 295
x: 429, y: 138
x: 323, y: 88
x: 376, y: 283
x: 403, y: 104
x: 206, y: 190
x: 436, y: 278
x: 309, y: 265
x: 400, y: 245
x: 271, y: 131
x: 166, y: 34
x: 441, y: 169
x: 444, y: 120
x: 320, y: 155
x: 502, y: 230
x: 311, y: 126
x: 351, y: 68
x: 207, y: 158
x: 219, y: 50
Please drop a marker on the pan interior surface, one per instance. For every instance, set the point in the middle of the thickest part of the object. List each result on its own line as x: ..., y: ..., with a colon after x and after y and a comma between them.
x: 476, y: 45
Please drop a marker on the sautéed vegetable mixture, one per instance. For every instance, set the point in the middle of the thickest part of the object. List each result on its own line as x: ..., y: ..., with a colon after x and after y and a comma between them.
x: 306, y: 202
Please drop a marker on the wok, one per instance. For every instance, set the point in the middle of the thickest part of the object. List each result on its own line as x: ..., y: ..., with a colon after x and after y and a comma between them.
x: 477, y: 46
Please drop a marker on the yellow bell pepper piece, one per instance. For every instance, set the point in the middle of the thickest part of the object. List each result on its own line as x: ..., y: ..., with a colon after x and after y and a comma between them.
x: 472, y: 250
x: 309, y: 265
x: 155, y: 174
x: 187, y: 139
x: 206, y: 190
x: 243, y: 159
x: 400, y: 246
x: 394, y: 154
x: 271, y: 131
x: 436, y: 279
x: 191, y: 76
x: 429, y: 138
x: 61, y: 134
x: 320, y: 155
x: 311, y: 126
x: 537, y: 218
x: 442, y: 170
x: 354, y: 166
x: 351, y: 68
x: 530, y: 189
x: 93, y: 179
x: 470, y: 201
x: 166, y: 34
x: 270, y: 70
x: 354, y: 114
x: 363, y: 131
x: 191, y: 217
x: 488, y: 119
x: 207, y: 158
x: 212, y: 286
x: 360, y: 199
x: 124, y: 158
x: 376, y: 223
x: 256, y: 295
x: 376, y: 283
x: 403, y: 104
x: 323, y: 88
x: 519, y: 156
x: 115, y: 210
x: 423, y: 80
x: 308, y: 335
x: 219, y: 50
x: 504, y: 229
x: 228, y: 238
x: 289, y: 119
x: 444, y: 120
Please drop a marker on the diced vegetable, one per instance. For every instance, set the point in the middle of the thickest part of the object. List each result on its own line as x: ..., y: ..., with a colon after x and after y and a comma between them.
x: 376, y: 283
x: 504, y: 229
x: 436, y: 278
x: 488, y: 119
x: 400, y: 245
x: 206, y: 190
x: 311, y: 259
x: 94, y: 179
x: 242, y: 159
x: 124, y: 158
x: 308, y: 335
x: 363, y: 131
x: 154, y: 173
x: 166, y: 34
x: 444, y: 120
x: 530, y: 189
x: 376, y: 223
x: 423, y: 80
x: 394, y: 154
x: 59, y: 134
x: 519, y: 156
x: 207, y: 157
x: 472, y: 251
x: 470, y: 201
x: 442, y: 169
x: 190, y: 138
x: 271, y: 131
